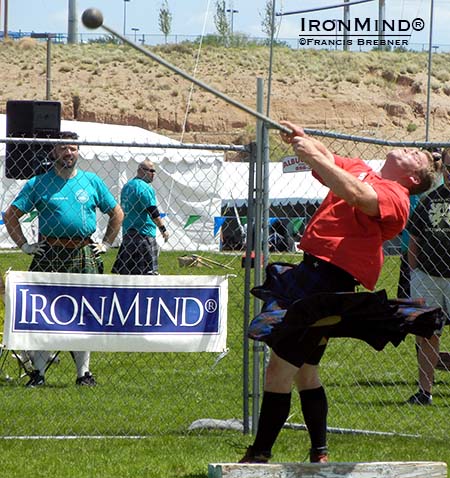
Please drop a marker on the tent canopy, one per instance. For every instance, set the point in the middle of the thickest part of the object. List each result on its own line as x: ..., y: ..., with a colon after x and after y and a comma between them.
x: 284, y: 188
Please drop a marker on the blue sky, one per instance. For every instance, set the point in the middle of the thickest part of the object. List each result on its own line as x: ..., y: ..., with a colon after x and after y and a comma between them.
x: 190, y: 16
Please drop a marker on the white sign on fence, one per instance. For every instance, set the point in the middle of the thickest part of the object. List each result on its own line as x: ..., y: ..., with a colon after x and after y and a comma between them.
x: 291, y: 164
x: 56, y: 311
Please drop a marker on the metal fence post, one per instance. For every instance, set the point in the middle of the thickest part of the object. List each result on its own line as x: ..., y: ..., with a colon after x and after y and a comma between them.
x: 247, y: 285
x: 257, y: 247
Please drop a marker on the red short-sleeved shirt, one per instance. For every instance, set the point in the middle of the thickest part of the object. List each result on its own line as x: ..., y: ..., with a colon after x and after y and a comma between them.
x: 348, y: 238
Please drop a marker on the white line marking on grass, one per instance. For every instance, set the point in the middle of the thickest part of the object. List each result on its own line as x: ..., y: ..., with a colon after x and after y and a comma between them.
x: 74, y: 437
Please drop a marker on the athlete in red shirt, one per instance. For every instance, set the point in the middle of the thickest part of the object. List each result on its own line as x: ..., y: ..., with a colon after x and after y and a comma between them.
x: 343, y: 246
x: 348, y: 237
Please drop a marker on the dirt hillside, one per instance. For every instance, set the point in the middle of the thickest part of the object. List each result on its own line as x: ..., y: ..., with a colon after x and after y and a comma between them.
x: 381, y: 94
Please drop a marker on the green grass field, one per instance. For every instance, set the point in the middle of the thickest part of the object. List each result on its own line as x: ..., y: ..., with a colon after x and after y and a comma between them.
x: 135, y: 422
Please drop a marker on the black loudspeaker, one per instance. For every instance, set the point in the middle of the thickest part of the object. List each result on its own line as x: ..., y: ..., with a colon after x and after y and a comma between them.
x: 30, y: 119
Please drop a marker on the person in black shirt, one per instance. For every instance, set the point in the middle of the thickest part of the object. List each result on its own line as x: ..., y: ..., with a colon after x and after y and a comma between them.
x: 429, y: 260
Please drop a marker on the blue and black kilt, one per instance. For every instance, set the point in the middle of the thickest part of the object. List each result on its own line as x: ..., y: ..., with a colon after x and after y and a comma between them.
x: 298, y: 318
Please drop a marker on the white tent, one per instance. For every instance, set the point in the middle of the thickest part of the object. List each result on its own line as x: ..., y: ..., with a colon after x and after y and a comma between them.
x: 284, y: 188
x: 187, y: 182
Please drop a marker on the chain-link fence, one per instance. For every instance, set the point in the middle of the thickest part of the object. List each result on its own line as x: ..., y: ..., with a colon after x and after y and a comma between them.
x: 136, y: 393
x: 206, y: 205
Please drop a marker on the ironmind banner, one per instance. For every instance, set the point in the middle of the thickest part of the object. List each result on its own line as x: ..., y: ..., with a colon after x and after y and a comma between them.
x: 113, y: 313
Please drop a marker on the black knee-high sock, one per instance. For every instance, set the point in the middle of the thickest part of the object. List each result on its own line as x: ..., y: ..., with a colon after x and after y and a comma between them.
x: 274, y: 412
x: 315, y: 410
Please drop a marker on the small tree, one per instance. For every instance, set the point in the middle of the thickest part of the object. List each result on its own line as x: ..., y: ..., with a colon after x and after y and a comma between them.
x: 221, y: 21
x: 165, y: 19
x: 268, y: 27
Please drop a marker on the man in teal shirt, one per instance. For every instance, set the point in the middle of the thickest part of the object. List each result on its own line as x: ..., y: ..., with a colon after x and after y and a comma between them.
x: 138, y: 253
x: 66, y: 200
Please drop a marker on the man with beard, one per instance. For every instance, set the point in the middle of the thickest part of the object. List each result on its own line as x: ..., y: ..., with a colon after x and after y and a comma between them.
x: 66, y: 200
